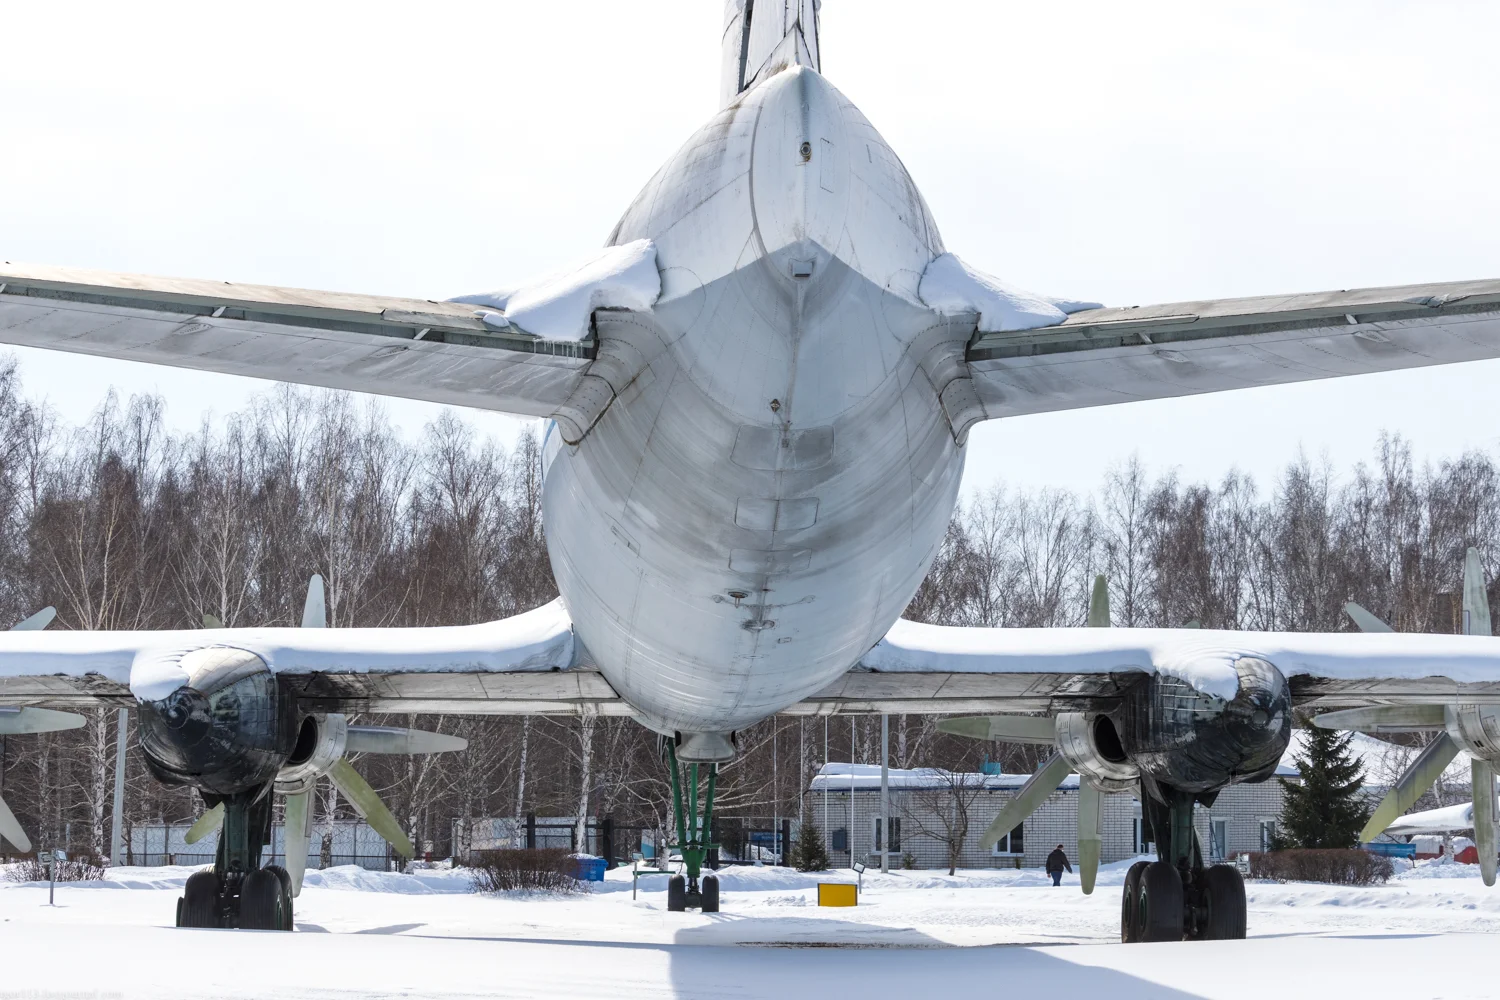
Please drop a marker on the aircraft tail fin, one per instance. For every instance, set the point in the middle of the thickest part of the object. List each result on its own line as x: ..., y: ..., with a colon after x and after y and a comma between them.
x: 763, y: 37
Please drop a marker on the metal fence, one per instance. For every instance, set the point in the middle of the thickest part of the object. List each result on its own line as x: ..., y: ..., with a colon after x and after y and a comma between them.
x: 353, y: 843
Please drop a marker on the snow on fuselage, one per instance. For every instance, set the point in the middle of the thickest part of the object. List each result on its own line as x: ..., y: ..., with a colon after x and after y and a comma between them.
x: 757, y: 508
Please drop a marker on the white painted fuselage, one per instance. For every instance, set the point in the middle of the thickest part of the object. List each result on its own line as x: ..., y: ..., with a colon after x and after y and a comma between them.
x: 755, y: 510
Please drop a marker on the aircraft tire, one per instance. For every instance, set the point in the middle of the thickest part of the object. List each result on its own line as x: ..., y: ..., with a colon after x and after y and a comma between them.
x: 710, y: 894
x: 199, y: 905
x: 676, y: 894
x: 285, y: 877
x: 260, y: 901
x: 1224, y: 889
x: 1161, y: 903
x: 1130, y: 904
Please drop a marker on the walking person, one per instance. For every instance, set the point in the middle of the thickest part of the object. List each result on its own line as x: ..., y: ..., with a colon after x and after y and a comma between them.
x: 1056, y: 862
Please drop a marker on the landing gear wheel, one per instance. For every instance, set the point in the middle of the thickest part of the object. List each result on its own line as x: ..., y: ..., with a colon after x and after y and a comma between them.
x: 1224, y: 892
x: 676, y: 894
x: 199, y: 905
x: 260, y: 901
x: 285, y: 878
x: 710, y: 894
x: 1130, y: 904
x: 1161, y: 903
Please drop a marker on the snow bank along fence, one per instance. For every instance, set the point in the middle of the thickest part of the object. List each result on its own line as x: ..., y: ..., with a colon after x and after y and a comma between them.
x: 743, y: 839
x: 354, y: 843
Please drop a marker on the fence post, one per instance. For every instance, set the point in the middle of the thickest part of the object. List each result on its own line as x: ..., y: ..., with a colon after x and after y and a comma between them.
x: 531, y: 831
x: 607, y: 839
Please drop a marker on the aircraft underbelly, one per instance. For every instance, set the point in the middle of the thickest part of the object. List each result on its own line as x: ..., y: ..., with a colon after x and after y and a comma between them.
x: 753, y: 511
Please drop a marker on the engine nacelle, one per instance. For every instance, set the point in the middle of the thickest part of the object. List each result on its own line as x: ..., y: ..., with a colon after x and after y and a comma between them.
x: 1475, y: 728
x: 227, y: 728
x: 1092, y: 745
x: 1186, y: 739
x: 321, y: 740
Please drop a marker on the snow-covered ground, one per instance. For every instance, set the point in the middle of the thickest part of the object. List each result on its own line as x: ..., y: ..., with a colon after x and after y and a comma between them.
x: 914, y: 934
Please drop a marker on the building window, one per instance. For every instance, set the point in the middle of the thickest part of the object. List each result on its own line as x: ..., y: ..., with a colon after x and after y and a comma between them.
x: 895, y: 834
x: 840, y: 839
x: 1010, y: 844
x: 1218, y: 838
x: 1267, y: 834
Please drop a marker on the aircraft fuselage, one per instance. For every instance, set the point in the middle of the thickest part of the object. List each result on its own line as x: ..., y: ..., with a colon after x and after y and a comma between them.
x: 754, y: 511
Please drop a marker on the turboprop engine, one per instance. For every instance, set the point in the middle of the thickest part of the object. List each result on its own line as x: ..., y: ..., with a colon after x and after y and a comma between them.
x: 1182, y: 738
x: 1165, y: 736
x: 227, y: 728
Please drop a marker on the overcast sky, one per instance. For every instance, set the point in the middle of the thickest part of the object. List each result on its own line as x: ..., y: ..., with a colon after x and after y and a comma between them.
x: 1128, y: 153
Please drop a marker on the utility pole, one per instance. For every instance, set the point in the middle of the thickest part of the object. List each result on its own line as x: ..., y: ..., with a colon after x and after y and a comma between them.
x: 827, y: 833
x: 117, y: 825
x: 853, y: 738
x: 885, y: 793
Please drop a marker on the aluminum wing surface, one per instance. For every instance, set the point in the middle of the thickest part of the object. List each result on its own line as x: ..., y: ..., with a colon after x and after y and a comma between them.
x: 934, y: 669
x: 1119, y: 355
x: 415, y: 348
x: 526, y: 664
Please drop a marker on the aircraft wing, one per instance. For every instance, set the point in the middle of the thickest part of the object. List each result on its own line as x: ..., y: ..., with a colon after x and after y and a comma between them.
x: 933, y: 669
x: 529, y: 663
x: 442, y: 352
x: 1118, y: 355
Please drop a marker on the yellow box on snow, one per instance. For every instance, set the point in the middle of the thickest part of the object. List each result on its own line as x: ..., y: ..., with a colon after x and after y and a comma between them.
x: 837, y: 894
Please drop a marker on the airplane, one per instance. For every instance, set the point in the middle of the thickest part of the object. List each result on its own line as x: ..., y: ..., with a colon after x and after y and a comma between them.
x: 759, y: 395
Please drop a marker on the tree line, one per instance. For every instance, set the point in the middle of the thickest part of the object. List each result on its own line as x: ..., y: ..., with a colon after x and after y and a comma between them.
x: 122, y: 524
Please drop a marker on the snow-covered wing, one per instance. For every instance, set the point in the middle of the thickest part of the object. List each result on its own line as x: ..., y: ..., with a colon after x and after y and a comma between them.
x: 526, y: 664
x: 1118, y: 355
x: 920, y: 668
x: 437, y: 351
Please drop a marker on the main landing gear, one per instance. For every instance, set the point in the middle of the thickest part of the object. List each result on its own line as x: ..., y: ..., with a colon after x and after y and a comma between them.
x: 239, y: 892
x: 1176, y: 898
x: 688, y: 890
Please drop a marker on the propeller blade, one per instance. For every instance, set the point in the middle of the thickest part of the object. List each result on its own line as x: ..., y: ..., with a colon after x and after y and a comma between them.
x: 211, y: 621
x: 314, y: 610
x: 1364, y: 620
x: 36, y: 720
x: 1010, y: 728
x: 365, y: 802
x: 10, y: 828
x: 1099, y: 603
x: 1476, y: 599
x: 1482, y: 775
x: 296, y: 838
x: 1090, y: 834
x: 1030, y: 797
x: 1411, y: 786
x: 206, y: 824
x: 1383, y: 718
x: 393, y: 739
x: 36, y: 622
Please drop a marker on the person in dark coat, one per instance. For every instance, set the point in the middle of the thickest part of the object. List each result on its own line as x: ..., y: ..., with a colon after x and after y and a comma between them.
x: 1056, y: 862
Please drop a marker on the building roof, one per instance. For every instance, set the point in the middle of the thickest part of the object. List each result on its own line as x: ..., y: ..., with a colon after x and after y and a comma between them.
x: 837, y: 777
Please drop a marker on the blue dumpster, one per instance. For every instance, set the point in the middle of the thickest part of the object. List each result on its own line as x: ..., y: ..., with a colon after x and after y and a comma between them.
x: 590, y: 868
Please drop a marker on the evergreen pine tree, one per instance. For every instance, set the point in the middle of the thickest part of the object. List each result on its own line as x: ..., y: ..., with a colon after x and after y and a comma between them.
x: 1326, y: 809
x: 812, y: 856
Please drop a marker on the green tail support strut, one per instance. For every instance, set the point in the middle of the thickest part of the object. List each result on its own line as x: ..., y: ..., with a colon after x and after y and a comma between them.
x: 693, y: 831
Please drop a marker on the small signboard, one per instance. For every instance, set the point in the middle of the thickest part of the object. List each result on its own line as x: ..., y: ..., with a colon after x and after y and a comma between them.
x: 837, y: 894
